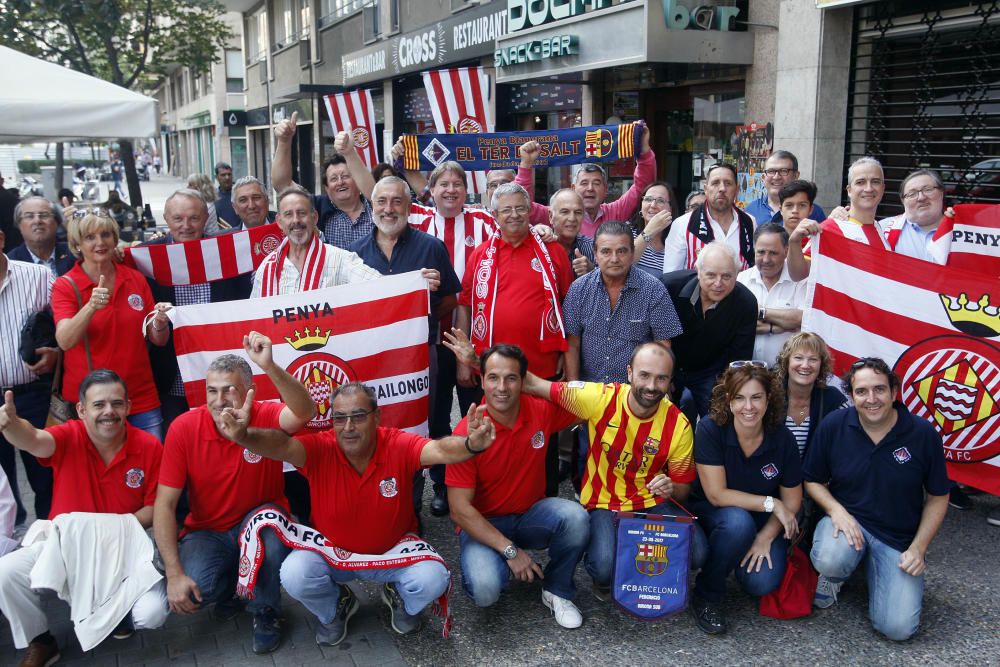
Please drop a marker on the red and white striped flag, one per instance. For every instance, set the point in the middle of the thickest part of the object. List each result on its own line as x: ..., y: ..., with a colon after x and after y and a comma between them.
x: 936, y: 326
x: 460, y: 102
x: 205, y: 260
x: 374, y: 332
x: 355, y: 110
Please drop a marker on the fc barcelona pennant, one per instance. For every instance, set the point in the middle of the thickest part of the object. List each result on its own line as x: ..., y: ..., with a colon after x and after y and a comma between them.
x: 477, y: 151
x: 652, y: 562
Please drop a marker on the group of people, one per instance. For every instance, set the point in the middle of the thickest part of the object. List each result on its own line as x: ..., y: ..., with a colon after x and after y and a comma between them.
x: 661, y: 358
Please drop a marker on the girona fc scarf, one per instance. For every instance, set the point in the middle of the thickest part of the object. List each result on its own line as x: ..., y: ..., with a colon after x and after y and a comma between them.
x: 700, y: 234
x: 484, y: 298
x: 312, y: 269
x: 205, y: 260
x: 408, y: 551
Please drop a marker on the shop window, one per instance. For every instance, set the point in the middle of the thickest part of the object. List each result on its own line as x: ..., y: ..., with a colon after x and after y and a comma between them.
x: 235, y: 71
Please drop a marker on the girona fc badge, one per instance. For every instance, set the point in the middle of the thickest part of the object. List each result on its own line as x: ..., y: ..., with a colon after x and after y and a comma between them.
x: 250, y: 457
x: 388, y: 487
x: 321, y: 373
x: 244, y: 566
x: 551, y: 319
x: 361, y: 137
x: 342, y: 554
x: 954, y: 383
x: 469, y: 126
x: 134, y: 478
x: 267, y: 245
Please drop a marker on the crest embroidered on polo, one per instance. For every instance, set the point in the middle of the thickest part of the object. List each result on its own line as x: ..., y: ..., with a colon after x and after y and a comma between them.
x: 538, y: 440
x: 251, y: 457
x: 902, y: 455
x: 134, y: 478
x: 136, y: 301
x: 388, y: 487
x: 770, y: 471
x: 470, y: 241
x: 536, y: 265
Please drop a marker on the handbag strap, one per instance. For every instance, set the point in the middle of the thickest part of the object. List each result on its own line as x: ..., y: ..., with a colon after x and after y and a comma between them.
x: 86, y: 338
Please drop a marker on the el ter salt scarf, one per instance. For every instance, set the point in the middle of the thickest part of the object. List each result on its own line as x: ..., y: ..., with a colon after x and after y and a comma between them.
x: 551, y: 332
x: 312, y: 269
x: 700, y: 234
x: 408, y: 551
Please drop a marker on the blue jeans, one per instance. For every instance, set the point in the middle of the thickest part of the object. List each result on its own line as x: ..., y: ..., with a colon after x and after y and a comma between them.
x: 600, y: 559
x: 212, y: 559
x: 150, y: 421
x: 894, y: 597
x: 731, y: 532
x: 694, y: 392
x: 32, y: 405
x: 310, y: 580
x: 556, y: 524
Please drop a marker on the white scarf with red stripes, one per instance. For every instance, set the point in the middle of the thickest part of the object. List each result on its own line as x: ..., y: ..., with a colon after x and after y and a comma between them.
x: 312, y: 268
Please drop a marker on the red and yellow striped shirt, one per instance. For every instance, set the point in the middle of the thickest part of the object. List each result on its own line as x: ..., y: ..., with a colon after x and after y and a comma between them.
x: 626, y: 452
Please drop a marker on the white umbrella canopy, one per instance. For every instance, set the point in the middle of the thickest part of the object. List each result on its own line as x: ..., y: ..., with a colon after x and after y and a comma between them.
x: 42, y: 101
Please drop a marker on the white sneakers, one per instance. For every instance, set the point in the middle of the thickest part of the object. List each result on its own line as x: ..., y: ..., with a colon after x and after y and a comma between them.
x: 566, y: 613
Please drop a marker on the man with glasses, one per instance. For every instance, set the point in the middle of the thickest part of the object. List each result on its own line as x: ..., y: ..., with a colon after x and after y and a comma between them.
x: 225, y: 484
x: 719, y: 319
x: 781, y: 168
x: 38, y: 222
x: 344, y: 214
x: 361, y: 479
x: 922, y: 194
x: 878, y: 472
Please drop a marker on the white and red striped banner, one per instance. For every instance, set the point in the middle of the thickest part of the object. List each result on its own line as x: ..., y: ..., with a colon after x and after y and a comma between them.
x: 936, y: 326
x: 205, y: 260
x: 374, y: 332
x: 970, y: 239
x: 355, y: 110
x: 460, y: 102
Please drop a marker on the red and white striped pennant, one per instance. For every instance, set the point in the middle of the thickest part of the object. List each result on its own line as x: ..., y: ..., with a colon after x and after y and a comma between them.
x: 355, y: 110
x: 459, y: 100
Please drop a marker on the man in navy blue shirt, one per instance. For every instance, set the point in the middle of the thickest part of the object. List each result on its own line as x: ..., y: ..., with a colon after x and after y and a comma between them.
x: 394, y: 246
x: 869, y: 467
x: 780, y: 169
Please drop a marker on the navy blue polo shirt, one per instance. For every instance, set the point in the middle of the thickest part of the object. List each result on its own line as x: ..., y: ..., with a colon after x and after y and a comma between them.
x: 882, y: 486
x: 774, y: 464
x: 414, y: 250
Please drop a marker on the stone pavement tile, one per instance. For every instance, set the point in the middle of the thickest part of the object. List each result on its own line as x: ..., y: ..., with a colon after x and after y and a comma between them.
x: 142, y: 655
x: 184, y: 661
x: 332, y: 661
x: 166, y: 636
x: 206, y: 625
x: 193, y: 646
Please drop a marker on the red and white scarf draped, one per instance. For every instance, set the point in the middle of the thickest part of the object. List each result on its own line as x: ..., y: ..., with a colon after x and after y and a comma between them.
x: 408, y: 551
x: 312, y: 268
x: 551, y: 332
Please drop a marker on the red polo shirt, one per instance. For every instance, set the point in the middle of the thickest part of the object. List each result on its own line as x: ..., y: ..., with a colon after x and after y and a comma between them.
x: 115, y: 334
x: 509, y: 477
x: 521, y: 299
x: 81, y: 482
x: 224, y: 480
x: 366, y: 513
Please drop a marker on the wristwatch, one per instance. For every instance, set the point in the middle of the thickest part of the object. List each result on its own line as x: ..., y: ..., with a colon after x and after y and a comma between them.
x: 647, y: 237
x: 768, y: 504
x: 509, y: 552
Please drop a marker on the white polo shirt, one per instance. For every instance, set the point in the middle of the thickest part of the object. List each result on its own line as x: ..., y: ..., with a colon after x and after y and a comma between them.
x: 786, y: 293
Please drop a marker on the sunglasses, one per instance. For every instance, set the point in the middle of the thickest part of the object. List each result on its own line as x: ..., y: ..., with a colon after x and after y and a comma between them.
x: 756, y: 363
x: 81, y: 213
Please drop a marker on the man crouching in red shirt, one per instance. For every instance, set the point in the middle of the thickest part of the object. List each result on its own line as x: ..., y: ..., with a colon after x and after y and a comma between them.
x: 226, y: 483
x: 360, y: 483
x: 100, y: 464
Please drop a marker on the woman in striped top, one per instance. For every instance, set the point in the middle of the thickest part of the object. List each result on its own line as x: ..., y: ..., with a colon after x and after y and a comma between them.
x: 804, y: 364
x: 650, y: 224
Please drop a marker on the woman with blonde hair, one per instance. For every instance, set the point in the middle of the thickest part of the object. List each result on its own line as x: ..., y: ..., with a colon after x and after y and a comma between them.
x: 100, y: 307
x: 203, y: 185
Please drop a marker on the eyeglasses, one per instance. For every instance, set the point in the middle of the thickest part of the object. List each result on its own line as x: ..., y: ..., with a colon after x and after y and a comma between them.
x: 511, y: 210
x: 783, y: 171
x: 926, y: 191
x: 660, y: 201
x: 756, y: 363
x: 42, y: 215
x: 354, y: 417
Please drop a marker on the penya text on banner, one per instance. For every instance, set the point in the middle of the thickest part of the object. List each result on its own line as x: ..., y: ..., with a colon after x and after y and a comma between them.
x: 499, y: 150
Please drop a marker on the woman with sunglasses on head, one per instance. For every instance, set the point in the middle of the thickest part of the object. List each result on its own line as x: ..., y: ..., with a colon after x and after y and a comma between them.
x: 650, y: 224
x: 100, y: 308
x: 748, y: 490
x: 804, y: 364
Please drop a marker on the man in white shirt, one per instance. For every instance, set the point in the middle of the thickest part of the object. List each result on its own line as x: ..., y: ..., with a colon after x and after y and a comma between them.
x: 779, y: 298
x: 922, y: 194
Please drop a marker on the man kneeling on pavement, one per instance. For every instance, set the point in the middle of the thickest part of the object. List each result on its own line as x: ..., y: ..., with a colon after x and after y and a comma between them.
x: 94, y: 552
x: 360, y: 482
x: 226, y: 484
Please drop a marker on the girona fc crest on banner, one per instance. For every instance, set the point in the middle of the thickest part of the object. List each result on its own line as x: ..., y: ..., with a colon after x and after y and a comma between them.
x: 954, y: 382
x: 651, y: 559
x: 267, y: 245
x: 361, y: 137
x: 321, y: 373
